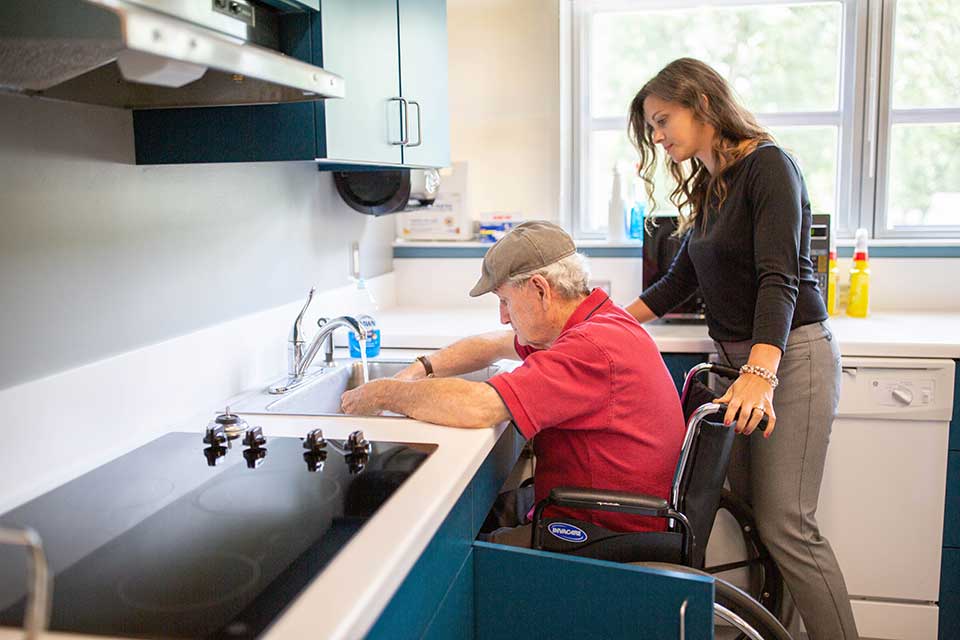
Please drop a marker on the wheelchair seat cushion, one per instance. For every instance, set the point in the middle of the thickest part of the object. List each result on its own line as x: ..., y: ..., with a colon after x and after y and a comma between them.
x: 585, y: 539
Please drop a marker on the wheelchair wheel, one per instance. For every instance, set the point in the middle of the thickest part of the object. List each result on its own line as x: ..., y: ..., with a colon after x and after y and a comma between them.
x: 765, y: 583
x: 736, y: 607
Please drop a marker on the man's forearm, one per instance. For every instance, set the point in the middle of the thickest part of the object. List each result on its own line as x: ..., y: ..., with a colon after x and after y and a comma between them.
x: 466, y: 355
x: 448, y: 401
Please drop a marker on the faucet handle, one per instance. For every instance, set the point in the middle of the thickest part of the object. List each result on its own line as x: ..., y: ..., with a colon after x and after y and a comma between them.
x: 296, y: 334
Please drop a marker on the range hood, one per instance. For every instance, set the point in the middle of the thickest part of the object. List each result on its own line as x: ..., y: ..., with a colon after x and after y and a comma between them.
x: 146, y: 54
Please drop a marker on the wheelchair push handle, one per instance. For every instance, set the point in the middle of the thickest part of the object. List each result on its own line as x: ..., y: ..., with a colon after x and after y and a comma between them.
x: 761, y: 426
x: 724, y: 371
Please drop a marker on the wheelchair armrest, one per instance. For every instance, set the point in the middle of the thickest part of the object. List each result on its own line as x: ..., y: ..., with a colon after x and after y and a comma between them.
x: 633, y: 503
x: 622, y: 501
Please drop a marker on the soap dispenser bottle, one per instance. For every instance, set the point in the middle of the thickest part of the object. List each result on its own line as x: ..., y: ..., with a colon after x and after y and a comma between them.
x: 363, y: 306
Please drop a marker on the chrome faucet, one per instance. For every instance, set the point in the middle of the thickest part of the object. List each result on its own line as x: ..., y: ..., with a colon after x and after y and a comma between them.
x: 300, y: 357
x: 325, y: 335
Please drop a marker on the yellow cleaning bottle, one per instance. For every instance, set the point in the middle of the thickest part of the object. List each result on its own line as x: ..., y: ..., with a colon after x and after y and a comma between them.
x: 858, y: 306
x: 833, y: 283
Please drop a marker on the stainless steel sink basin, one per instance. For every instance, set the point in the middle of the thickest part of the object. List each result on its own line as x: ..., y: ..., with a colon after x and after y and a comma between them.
x: 321, y: 396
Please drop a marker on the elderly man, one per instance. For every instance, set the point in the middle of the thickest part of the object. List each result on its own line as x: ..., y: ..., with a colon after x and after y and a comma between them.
x: 592, y: 393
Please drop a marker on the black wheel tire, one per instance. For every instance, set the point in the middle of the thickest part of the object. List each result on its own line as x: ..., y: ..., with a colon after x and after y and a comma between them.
x: 737, y: 601
x: 766, y: 584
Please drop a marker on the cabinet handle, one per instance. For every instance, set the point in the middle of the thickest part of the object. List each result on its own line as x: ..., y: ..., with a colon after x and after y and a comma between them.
x: 683, y: 620
x: 37, y: 615
x: 404, y: 122
x: 419, y: 127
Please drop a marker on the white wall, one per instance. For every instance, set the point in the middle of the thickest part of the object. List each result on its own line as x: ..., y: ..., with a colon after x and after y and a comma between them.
x: 504, y: 103
x: 99, y: 256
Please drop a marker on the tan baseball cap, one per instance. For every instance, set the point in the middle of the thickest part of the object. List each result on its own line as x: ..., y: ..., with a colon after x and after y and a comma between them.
x: 527, y: 247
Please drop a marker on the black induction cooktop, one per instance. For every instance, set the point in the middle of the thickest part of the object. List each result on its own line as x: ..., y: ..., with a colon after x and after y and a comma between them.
x: 182, y: 538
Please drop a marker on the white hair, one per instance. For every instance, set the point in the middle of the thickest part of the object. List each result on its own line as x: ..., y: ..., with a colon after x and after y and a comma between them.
x: 569, y: 277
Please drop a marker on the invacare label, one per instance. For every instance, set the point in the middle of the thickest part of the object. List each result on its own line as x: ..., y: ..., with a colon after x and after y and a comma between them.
x: 567, y: 532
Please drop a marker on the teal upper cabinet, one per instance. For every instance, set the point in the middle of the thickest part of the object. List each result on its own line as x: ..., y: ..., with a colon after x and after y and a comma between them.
x: 423, y: 81
x: 392, y: 55
x: 393, y: 58
x: 360, y: 40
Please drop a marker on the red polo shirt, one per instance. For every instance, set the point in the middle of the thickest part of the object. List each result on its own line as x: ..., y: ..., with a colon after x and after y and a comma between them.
x: 601, y: 409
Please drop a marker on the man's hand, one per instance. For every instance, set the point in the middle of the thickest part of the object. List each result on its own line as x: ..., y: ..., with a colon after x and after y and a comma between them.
x: 365, y: 400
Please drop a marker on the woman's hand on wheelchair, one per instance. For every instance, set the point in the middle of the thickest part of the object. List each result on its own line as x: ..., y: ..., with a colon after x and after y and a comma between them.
x: 748, y: 399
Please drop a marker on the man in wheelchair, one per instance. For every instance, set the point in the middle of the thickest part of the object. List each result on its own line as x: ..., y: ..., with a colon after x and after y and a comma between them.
x: 592, y: 394
x: 594, y: 398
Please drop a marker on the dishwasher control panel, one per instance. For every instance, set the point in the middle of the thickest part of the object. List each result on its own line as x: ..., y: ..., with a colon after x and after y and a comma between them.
x: 897, y: 388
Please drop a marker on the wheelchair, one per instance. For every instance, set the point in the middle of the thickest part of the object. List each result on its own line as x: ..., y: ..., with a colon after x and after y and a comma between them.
x: 696, y: 496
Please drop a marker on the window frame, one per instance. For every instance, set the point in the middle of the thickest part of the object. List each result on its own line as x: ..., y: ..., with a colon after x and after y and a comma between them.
x: 864, y: 115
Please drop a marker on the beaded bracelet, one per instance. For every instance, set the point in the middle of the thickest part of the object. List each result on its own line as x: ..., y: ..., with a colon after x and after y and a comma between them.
x: 766, y: 374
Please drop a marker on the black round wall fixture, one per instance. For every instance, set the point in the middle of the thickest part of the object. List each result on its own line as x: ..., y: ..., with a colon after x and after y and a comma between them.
x: 374, y: 192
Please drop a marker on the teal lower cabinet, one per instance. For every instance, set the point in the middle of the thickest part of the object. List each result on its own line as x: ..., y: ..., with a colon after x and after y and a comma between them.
x: 950, y: 560
x: 949, y: 594
x: 424, y: 592
x: 460, y: 588
x: 679, y: 363
x: 531, y: 594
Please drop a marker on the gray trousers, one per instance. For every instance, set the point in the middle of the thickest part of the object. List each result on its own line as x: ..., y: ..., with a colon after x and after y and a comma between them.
x: 780, y: 478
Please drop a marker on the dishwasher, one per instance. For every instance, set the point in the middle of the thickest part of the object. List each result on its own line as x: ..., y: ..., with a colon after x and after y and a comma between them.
x: 882, y: 498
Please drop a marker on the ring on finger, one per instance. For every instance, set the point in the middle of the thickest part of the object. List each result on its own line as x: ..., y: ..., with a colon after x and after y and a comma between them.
x: 760, y: 409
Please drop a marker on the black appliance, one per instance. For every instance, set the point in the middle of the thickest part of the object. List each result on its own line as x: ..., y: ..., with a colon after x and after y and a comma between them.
x: 660, y: 246
x: 820, y: 251
x: 201, y: 536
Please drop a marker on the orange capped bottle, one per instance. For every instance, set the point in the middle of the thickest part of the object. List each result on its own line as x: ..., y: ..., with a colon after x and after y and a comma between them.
x: 858, y: 306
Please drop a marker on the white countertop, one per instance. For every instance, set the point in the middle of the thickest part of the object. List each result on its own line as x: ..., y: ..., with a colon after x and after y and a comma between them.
x: 883, y: 334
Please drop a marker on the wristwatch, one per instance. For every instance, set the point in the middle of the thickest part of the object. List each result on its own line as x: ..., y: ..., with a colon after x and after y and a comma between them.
x: 425, y: 361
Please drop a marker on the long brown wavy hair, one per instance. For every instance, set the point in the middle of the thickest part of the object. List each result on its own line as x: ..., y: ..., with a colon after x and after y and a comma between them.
x: 688, y: 81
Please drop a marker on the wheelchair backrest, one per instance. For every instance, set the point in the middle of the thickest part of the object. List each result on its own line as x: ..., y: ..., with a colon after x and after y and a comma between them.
x: 701, y: 483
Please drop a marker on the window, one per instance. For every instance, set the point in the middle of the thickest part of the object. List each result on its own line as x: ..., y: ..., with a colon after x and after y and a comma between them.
x: 919, y: 180
x: 804, y: 68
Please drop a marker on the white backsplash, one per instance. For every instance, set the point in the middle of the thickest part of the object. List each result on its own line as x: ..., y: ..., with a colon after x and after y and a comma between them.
x: 897, y: 284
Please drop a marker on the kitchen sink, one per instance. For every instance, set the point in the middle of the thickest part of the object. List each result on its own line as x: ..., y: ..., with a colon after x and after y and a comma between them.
x: 321, y: 395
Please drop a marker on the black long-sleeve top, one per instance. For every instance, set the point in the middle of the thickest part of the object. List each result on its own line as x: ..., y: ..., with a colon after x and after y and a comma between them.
x: 751, y: 258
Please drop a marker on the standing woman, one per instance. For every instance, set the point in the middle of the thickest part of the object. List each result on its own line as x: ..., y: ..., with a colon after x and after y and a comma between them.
x: 745, y: 220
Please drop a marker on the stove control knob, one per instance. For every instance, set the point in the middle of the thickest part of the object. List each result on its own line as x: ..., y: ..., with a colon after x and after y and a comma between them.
x: 315, y: 460
x: 215, y: 436
x: 314, y: 442
x: 214, y: 455
x: 254, y: 456
x: 254, y: 438
x: 357, y: 444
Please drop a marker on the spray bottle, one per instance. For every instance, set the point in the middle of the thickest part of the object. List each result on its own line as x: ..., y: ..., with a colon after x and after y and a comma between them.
x: 616, y: 220
x: 858, y: 306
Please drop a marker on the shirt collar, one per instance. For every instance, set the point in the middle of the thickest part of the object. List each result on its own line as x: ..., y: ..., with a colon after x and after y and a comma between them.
x: 593, y: 302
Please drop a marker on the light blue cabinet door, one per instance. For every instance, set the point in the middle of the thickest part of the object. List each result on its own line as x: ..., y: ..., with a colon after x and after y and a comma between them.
x: 358, y: 41
x: 423, y: 81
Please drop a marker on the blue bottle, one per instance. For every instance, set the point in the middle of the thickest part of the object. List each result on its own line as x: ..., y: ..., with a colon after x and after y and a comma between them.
x: 637, y: 213
x: 373, y: 338
x: 638, y: 209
